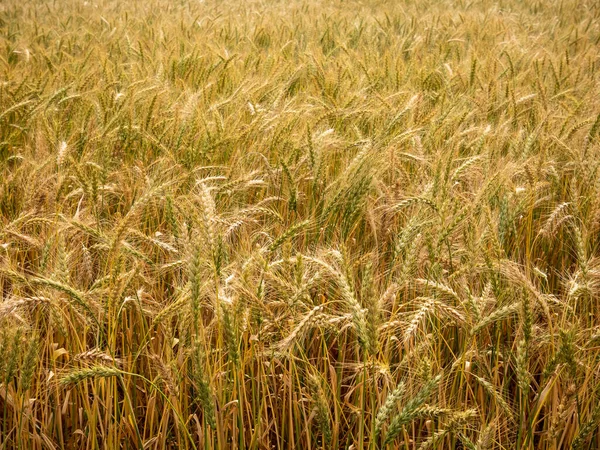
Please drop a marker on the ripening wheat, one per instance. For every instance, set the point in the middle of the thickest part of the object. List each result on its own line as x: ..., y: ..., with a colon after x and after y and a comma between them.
x: 299, y: 224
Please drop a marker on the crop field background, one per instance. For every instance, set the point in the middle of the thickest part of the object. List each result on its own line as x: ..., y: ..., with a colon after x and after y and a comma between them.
x: 299, y: 224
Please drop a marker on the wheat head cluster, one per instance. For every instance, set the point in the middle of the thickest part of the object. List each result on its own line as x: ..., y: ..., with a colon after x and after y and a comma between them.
x: 299, y: 224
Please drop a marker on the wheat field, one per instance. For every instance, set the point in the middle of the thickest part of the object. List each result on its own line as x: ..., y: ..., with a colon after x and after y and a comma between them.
x: 299, y: 224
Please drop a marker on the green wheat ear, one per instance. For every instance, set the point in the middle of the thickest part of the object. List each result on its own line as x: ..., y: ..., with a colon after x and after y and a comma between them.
x: 204, y: 394
x: 29, y: 364
x: 322, y: 409
x: 78, y: 376
x: 387, y: 409
x: 410, y: 410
